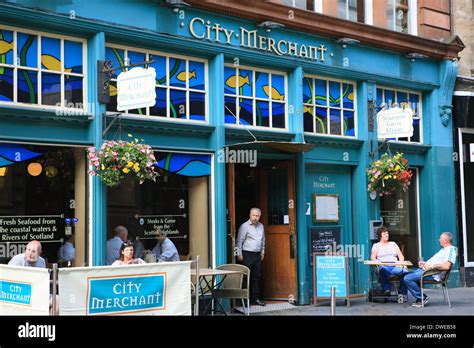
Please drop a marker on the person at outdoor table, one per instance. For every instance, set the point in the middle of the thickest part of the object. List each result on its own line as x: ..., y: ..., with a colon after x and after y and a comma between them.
x: 126, y: 256
x: 443, y: 260
x: 386, y: 251
x: 114, y: 244
x: 30, y: 258
x: 164, y: 249
x: 67, y: 252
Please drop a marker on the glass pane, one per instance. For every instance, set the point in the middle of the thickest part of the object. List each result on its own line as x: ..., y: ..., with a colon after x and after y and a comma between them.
x: 51, y: 89
x: 230, y: 111
x: 6, y: 84
x: 414, y: 103
x: 308, y: 90
x: 300, y: 4
x: 160, y: 68
x: 73, y: 90
x: 401, y: 12
x: 380, y: 100
x: 136, y: 57
x: 117, y: 57
x: 230, y: 80
x: 245, y: 83
x: 6, y: 53
x: 278, y: 115
x: 321, y: 92
x: 334, y: 94
x: 352, y: 10
x: 160, y: 104
x: 335, y: 121
x: 321, y: 120
x: 390, y: 15
x: 196, y: 75
x: 348, y: 96
x: 197, y: 106
x: 51, y: 54
x: 402, y: 97
x: 416, y: 131
x: 262, y: 85
x: 73, y: 57
x: 112, y: 104
x: 277, y: 190
x: 389, y: 98
x: 308, y: 118
x: 278, y: 90
x: 262, y: 117
x: 141, y: 111
x: 177, y: 72
x: 27, y: 90
x: 27, y: 50
x: 245, y: 111
x: 177, y: 104
x: 348, y: 123
x: 341, y: 9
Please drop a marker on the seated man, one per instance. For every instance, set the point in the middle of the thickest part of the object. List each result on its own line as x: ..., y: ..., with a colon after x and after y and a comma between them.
x: 443, y: 260
x: 67, y: 252
x: 165, y: 250
x: 30, y: 258
x: 114, y: 244
x: 385, y: 251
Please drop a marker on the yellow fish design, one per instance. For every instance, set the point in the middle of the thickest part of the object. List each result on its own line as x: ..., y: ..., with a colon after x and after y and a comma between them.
x: 350, y: 96
x: 182, y: 75
x: 53, y: 63
x: 308, y: 109
x: 112, y: 90
x: 5, y: 46
x: 275, y: 94
x: 242, y: 81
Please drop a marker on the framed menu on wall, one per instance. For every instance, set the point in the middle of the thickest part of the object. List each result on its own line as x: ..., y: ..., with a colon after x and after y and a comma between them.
x: 326, y: 208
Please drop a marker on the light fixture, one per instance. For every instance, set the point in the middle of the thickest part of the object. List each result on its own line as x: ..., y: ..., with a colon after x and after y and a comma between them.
x: 269, y: 25
x: 176, y: 5
x: 3, y: 171
x: 413, y: 56
x: 34, y: 169
x: 344, y: 41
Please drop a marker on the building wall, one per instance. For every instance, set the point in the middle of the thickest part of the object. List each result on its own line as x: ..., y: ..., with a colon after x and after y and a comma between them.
x: 463, y: 20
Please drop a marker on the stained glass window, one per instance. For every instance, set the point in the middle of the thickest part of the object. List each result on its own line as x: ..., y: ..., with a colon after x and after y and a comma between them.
x: 329, y: 107
x: 180, y: 83
x: 254, y: 97
x: 388, y: 98
x: 41, y: 69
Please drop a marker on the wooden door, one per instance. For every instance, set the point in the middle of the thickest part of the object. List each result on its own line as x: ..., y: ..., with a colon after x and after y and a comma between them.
x: 277, y: 201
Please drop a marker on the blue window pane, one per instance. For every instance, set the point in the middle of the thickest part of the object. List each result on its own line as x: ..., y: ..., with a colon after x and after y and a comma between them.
x: 278, y: 90
x: 197, y: 106
x: 380, y: 100
x: 117, y: 57
x: 348, y: 95
x: 389, y: 98
x: 27, y: 89
x: 321, y: 92
x: 414, y: 103
x: 230, y: 80
x: 308, y: 90
x: 230, y: 111
x: 50, y: 89
x: 6, y: 84
x: 278, y: 115
x: 321, y: 120
x: 334, y: 94
x: 245, y: 83
x: 177, y: 104
x: 6, y: 42
x: 73, y: 57
x: 348, y: 123
x: 262, y: 117
x: 308, y: 118
x: 160, y: 104
x: 335, y: 121
x: 73, y: 92
x: 245, y: 111
x: 416, y: 131
x: 136, y: 57
x: 160, y: 68
x: 177, y: 72
x: 196, y: 75
x: 51, y: 54
x: 262, y: 85
x: 27, y: 50
x: 402, y: 97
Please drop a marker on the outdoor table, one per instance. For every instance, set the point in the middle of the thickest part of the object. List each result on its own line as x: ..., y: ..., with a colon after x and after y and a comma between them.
x: 210, y: 280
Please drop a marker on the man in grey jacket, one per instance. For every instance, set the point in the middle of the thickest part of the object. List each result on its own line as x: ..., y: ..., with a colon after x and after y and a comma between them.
x: 250, y: 247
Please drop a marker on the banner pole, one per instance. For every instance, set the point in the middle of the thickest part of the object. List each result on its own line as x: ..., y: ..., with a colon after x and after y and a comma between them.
x: 55, y: 282
x: 196, y: 305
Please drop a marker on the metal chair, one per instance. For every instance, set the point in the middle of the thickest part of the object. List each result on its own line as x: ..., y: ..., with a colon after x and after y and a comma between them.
x: 443, y: 275
x: 231, y: 286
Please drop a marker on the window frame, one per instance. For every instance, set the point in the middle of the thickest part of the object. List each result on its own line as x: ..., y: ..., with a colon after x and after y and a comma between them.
x: 186, y: 89
x: 40, y: 70
x: 420, y: 110
x: 412, y: 18
x: 254, y: 99
x: 327, y: 107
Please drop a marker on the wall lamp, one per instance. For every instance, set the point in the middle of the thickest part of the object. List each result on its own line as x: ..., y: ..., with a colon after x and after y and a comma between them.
x: 413, y: 56
x: 347, y: 41
x: 176, y: 5
x: 269, y: 25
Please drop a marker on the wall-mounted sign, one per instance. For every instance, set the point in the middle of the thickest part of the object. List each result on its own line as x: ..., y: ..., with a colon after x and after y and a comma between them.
x: 330, y: 271
x: 44, y: 228
x: 395, y: 123
x: 325, y: 207
x: 136, y: 89
x: 323, y: 238
x: 174, y: 225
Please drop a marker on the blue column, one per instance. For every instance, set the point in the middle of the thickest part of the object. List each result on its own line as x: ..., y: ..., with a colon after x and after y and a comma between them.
x: 216, y: 118
x: 95, y: 52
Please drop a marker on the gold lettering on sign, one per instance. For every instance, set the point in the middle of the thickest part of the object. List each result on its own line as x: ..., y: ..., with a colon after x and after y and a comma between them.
x: 191, y: 27
x: 251, y: 36
x: 303, y: 51
x: 322, y: 49
x: 292, y: 48
x: 313, y: 52
x: 279, y: 47
x: 262, y: 42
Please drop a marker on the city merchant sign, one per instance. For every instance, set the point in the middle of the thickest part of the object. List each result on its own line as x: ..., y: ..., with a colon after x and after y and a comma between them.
x: 206, y: 30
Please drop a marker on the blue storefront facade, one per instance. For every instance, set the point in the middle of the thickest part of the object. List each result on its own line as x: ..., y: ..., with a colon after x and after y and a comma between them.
x: 222, y: 81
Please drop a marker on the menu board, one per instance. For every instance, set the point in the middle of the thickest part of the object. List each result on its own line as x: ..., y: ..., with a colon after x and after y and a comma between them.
x: 330, y: 271
x: 323, y: 238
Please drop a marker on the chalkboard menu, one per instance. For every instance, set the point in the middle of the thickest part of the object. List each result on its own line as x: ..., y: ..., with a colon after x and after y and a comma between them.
x: 330, y: 270
x: 323, y: 238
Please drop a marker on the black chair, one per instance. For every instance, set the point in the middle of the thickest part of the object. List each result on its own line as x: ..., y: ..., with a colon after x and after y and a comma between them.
x: 443, y: 281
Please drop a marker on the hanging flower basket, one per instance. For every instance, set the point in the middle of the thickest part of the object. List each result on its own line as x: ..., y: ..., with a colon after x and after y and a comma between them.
x: 389, y: 175
x: 115, y: 159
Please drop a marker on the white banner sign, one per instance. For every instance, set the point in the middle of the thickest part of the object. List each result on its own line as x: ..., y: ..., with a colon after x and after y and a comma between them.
x: 471, y: 150
x: 136, y: 89
x: 24, y: 290
x: 146, y: 289
x: 395, y: 123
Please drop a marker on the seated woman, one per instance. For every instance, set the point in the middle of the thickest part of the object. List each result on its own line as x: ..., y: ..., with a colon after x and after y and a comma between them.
x: 126, y: 256
x: 385, y: 251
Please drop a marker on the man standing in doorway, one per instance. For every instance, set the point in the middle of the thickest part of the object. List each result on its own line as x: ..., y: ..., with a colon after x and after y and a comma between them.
x: 251, y: 250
